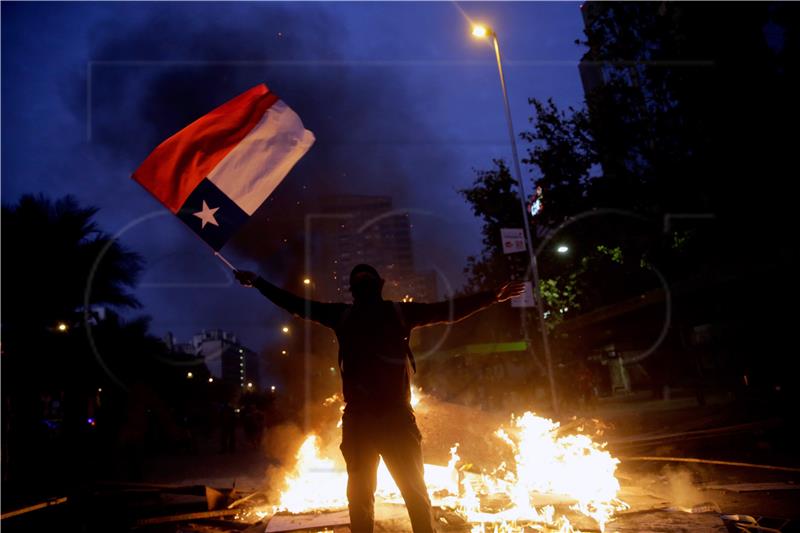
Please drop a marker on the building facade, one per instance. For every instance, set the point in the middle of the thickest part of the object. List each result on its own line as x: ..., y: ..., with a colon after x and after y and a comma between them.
x: 353, y: 229
x: 225, y: 357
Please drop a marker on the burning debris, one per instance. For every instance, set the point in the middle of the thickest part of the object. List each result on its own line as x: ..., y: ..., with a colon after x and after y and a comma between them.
x: 547, y: 476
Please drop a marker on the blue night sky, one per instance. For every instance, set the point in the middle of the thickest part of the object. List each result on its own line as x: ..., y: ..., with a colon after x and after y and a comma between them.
x: 403, y: 101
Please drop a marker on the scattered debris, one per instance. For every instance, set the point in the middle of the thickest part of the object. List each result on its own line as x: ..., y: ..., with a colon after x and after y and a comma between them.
x: 739, y: 523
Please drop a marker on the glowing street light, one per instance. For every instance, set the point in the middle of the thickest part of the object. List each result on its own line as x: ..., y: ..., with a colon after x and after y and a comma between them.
x: 285, y: 329
x: 562, y: 249
x: 189, y: 375
x: 249, y: 385
x: 307, y: 281
x: 211, y: 380
x: 62, y: 327
x: 283, y: 352
x: 272, y: 388
x: 480, y: 31
x: 483, y: 32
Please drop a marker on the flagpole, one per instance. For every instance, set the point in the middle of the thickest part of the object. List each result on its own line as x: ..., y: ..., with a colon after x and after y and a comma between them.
x: 227, y: 263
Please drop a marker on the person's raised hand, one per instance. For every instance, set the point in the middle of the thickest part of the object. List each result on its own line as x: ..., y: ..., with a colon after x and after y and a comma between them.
x: 245, y: 277
x: 512, y: 289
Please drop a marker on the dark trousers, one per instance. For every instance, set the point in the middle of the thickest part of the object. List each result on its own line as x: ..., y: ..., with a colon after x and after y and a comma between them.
x: 393, y: 435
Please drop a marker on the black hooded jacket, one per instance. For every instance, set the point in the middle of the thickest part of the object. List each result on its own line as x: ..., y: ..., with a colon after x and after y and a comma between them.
x: 374, y: 357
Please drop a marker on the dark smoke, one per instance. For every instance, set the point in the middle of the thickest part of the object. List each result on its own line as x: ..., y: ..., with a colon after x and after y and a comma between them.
x: 164, y: 66
x: 178, y: 64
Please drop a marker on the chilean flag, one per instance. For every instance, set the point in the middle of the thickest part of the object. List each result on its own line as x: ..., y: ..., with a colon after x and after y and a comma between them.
x: 219, y: 169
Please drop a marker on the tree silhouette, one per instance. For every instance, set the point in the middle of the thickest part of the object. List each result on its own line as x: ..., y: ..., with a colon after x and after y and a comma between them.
x: 685, y: 125
x: 50, y: 249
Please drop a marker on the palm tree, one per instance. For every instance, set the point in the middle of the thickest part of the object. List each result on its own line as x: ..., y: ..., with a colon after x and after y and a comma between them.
x: 49, y: 249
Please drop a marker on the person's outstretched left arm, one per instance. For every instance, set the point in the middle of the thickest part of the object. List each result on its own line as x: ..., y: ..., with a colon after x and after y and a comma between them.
x: 419, y: 314
x: 327, y: 314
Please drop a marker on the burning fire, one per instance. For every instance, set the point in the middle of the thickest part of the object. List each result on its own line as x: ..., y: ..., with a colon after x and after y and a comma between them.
x: 315, y: 482
x: 569, y: 469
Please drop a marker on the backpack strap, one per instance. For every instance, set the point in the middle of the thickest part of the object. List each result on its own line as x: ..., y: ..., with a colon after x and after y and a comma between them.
x: 347, y: 312
x: 399, y: 313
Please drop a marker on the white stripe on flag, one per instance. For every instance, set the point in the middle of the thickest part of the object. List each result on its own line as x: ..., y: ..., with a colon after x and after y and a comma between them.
x: 252, y: 170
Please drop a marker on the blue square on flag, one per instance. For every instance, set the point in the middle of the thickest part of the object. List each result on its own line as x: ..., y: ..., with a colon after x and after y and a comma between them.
x: 211, y: 214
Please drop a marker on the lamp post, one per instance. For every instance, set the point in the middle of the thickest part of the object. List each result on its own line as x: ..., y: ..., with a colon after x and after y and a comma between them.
x: 481, y: 31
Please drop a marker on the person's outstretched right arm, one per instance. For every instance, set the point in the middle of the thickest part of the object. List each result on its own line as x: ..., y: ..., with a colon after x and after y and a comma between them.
x: 327, y: 314
x: 449, y: 311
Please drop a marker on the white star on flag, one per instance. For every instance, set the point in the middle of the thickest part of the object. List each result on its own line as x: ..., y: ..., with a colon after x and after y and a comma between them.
x: 207, y: 215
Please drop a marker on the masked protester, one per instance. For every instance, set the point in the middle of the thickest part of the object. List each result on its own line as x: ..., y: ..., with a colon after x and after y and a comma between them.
x: 376, y: 363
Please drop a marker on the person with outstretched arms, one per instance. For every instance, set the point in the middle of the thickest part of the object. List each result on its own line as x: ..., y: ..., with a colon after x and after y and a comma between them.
x: 376, y: 364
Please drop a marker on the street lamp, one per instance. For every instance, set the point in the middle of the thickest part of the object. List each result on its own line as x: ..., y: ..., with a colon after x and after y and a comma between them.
x: 62, y: 327
x: 562, y: 249
x: 285, y: 329
x: 307, y: 281
x: 481, y: 31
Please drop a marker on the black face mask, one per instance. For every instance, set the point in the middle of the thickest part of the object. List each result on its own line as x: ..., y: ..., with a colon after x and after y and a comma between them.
x: 366, y: 289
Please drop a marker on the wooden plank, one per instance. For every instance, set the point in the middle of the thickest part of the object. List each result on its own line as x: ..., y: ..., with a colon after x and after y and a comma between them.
x: 35, y: 507
x: 186, y: 517
x: 391, y: 515
x: 299, y: 522
x: 751, y: 487
x: 711, y: 462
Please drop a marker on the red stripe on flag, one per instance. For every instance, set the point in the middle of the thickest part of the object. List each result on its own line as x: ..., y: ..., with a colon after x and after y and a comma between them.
x: 173, y: 170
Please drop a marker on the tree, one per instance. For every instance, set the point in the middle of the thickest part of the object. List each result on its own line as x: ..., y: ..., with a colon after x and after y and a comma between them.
x: 561, y: 153
x: 49, y: 249
x: 683, y: 126
x: 494, y: 198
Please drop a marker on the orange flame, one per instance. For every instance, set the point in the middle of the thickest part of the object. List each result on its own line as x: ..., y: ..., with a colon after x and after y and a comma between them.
x: 573, y: 468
